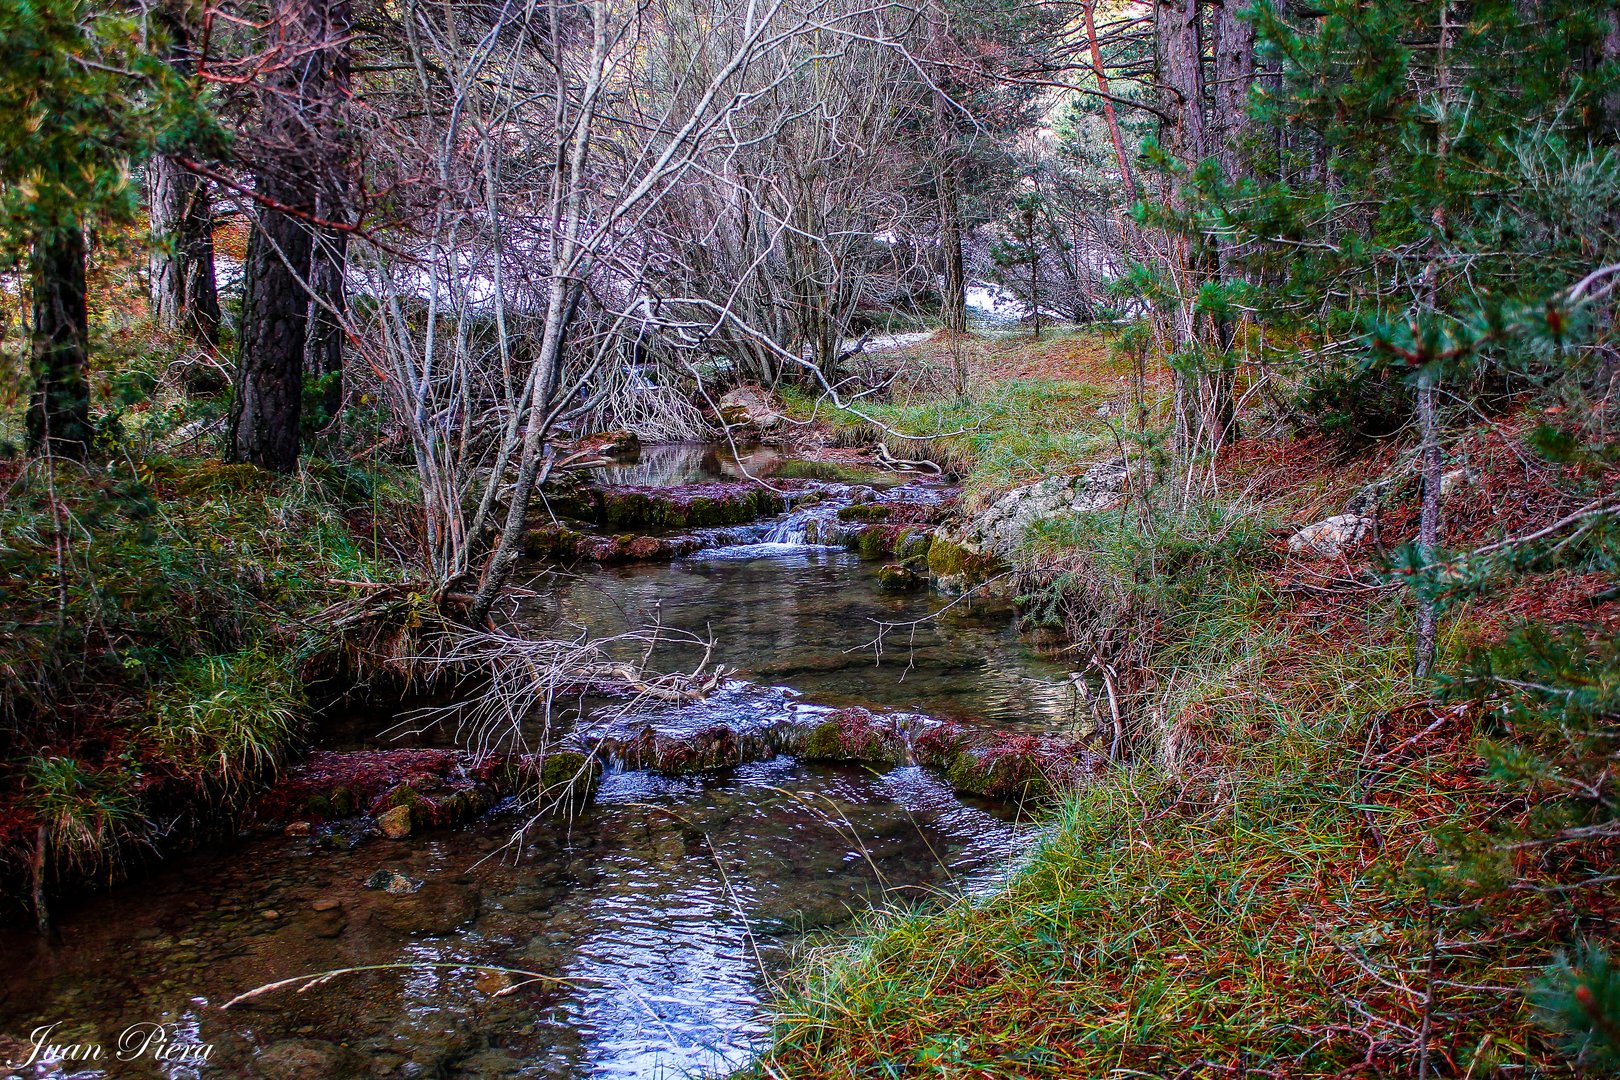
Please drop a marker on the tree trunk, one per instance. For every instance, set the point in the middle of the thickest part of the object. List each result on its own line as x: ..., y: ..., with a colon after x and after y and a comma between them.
x: 950, y: 241
x: 275, y: 318
x: 1429, y: 521
x: 59, y: 409
x: 183, y: 292
x: 329, y: 93
x: 1088, y: 10
x: 323, y: 347
x: 1179, y: 58
x: 1234, y: 75
x: 299, y: 162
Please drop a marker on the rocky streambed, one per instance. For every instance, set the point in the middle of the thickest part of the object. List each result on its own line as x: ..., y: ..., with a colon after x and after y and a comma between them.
x: 865, y: 748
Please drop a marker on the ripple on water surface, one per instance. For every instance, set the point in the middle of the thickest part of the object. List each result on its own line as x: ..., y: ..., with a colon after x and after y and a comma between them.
x: 663, y: 908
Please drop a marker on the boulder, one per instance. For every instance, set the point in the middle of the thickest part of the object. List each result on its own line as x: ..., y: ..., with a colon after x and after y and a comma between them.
x: 393, y: 882
x: 395, y: 823
x: 743, y: 406
x: 1000, y: 528
x: 1331, y: 536
x: 436, y: 909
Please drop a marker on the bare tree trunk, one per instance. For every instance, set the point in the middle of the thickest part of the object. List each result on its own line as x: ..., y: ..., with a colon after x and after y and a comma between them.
x: 268, y: 407
x: 184, y: 294
x: 59, y: 408
x: 183, y: 290
x: 296, y: 164
x: 323, y: 345
x: 1089, y: 9
x: 38, y: 868
x: 1179, y: 57
x: 950, y: 240
x: 329, y: 253
x: 1234, y: 75
x: 1428, y: 418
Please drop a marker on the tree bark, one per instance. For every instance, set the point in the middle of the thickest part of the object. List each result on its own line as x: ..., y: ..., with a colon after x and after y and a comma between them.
x: 1429, y: 519
x: 954, y: 294
x: 296, y: 164
x: 183, y: 291
x: 58, y: 418
x: 268, y: 407
x: 1234, y: 75
x: 950, y: 240
x: 330, y: 91
x: 1089, y: 9
x: 1179, y: 59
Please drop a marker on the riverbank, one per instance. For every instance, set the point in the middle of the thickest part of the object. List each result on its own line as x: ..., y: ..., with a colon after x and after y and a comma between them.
x: 168, y: 627
x: 1311, y: 863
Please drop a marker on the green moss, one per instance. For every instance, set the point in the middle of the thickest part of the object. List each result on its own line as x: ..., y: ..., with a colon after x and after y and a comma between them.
x: 831, y: 472
x: 824, y: 743
x: 947, y: 559
x: 874, y: 541
x: 895, y: 578
x: 571, y: 774
x: 344, y: 802
x: 552, y: 541
x: 911, y: 547
x: 703, y: 511
x: 864, y: 512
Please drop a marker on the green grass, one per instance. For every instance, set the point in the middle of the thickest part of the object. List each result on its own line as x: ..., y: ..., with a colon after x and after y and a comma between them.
x: 1242, y: 900
x: 1010, y: 432
x: 160, y: 622
x: 1300, y: 871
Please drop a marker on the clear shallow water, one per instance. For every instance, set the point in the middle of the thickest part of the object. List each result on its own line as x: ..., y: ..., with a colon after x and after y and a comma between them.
x: 662, y: 912
x: 808, y: 617
x: 662, y: 908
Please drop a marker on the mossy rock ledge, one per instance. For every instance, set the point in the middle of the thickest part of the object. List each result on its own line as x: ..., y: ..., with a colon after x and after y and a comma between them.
x: 440, y: 787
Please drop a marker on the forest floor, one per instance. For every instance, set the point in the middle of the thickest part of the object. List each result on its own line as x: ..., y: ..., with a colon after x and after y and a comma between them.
x: 1305, y: 869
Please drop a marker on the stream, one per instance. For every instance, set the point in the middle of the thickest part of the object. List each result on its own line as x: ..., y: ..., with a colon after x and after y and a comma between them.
x: 657, y: 918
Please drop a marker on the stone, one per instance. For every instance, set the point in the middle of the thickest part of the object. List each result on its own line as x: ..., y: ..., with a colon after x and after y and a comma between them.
x: 1001, y: 528
x: 326, y: 903
x: 751, y: 403
x: 393, y: 882
x: 297, y: 828
x: 893, y: 577
x: 1370, y: 497
x: 434, y: 910
x: 303, y: 1059
x: 270, y: 915
x: 395, y: 823
x: 1331, y: 536
x: 1457, y: 480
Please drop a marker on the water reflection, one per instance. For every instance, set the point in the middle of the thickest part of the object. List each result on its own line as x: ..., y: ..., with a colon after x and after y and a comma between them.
x: 812, y: 618
x: 663, y: 910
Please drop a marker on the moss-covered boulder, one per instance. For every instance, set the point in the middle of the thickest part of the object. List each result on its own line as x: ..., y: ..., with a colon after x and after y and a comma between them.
x: 855, y: 734
x: 864, y: 511
x: 689, y: 506
x: 896, y: 577
x: 1014, y: 767
x: 955, y: 566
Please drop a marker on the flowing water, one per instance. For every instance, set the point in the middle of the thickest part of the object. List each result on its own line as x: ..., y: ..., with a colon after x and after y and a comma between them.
x: 653, y: 923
